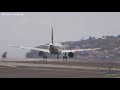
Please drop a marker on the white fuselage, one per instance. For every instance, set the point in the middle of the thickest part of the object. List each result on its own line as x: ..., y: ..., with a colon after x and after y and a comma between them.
x: 55, y: 48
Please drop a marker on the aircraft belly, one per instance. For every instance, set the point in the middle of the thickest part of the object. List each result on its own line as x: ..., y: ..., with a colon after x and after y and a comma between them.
x: 53, y: 50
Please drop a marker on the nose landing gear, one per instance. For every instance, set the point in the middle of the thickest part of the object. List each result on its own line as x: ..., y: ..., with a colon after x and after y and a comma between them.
x: 44, y: 57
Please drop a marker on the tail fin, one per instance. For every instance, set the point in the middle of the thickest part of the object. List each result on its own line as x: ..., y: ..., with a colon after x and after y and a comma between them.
x: 52, y: 36
x: 4, y: 55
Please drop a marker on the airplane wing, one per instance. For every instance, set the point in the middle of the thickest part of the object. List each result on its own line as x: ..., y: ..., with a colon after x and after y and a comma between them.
x: 31, y: 48
x: 45, y: 45
x: 78, y: 50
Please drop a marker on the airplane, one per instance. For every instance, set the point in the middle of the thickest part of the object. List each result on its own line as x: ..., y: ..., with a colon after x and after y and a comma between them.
x: 55, y: 48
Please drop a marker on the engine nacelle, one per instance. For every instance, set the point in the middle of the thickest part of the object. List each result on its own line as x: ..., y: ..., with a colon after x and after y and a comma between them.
x: 41, y: 53
x: 71, y: 54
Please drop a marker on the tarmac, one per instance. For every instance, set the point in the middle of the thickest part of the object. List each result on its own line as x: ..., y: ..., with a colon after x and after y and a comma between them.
x: 53, y: 68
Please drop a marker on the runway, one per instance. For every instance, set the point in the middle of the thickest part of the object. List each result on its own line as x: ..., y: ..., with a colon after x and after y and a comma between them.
x: 35, y: 68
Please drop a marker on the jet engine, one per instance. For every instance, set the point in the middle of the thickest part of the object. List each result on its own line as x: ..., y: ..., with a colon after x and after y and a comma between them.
x: 41, y: 53
x: 71, y: 54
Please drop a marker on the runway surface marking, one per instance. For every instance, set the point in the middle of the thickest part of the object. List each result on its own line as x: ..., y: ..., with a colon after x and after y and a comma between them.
x: 58, y: 70
x: 60, y: 60
x: 13, y: 64
x: 61, y: 70
x: 10, y: 65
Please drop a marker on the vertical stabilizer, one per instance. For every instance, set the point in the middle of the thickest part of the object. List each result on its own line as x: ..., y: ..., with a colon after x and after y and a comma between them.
x: 4, y: 55
x: 52, y: 36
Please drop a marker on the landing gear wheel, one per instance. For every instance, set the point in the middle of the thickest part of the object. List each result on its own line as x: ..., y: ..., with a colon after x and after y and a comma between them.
x: 65, y: 57
x: 44, y: 57
x: 57, y: 57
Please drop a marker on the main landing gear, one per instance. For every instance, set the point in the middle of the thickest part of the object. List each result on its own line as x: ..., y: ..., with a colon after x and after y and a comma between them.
x: 65, y: 56
x: 58, y: 56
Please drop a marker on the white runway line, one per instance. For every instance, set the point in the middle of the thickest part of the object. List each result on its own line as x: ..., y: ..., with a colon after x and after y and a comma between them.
x: 59, y: 70
x: 10, y: 65
x: 50, y: 69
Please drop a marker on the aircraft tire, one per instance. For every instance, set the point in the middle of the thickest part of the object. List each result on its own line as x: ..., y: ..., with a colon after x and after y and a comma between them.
x: 57, y: 57
x: 64, y: 57
x: 44, y: 57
